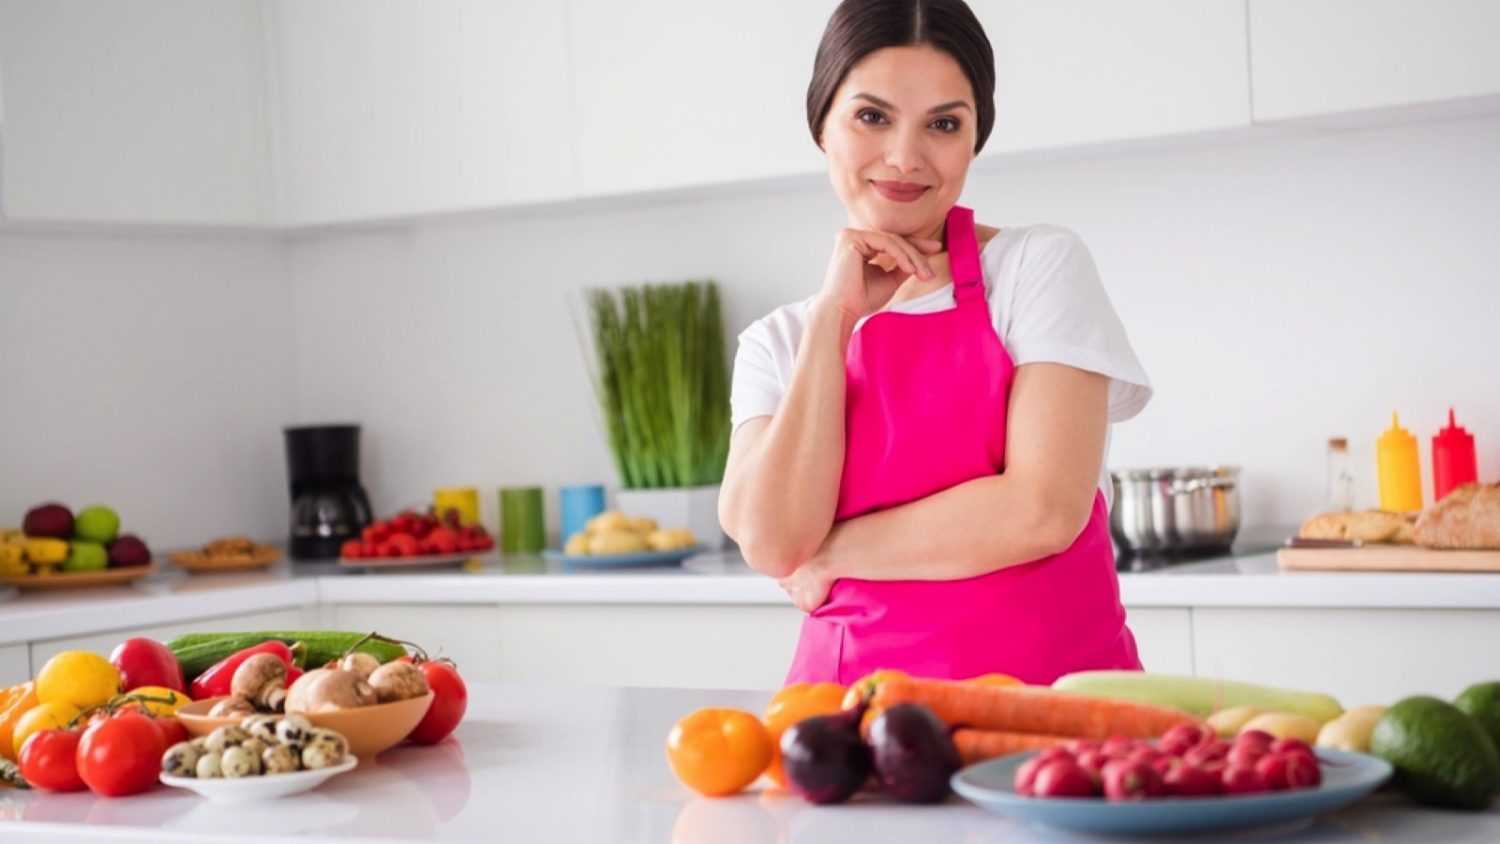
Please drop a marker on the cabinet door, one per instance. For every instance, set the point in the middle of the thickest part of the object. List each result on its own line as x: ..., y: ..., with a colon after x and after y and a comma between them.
x: 1321, y: 57
x: 15, y: 665
x: 151, y: 111
x: 392, y: 108
x: 1090, y: 71
x: 679, y: 93
x: 1163, y: 637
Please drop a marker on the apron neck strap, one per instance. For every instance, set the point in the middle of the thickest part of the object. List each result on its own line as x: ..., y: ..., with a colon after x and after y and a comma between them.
x: 963, y: 254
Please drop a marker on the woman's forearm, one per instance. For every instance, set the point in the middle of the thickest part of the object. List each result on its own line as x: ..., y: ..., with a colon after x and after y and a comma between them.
x: 780, y: 505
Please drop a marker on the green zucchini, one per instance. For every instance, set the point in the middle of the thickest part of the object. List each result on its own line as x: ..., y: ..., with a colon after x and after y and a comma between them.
x: 199, y: 651
x: 1200, y: 696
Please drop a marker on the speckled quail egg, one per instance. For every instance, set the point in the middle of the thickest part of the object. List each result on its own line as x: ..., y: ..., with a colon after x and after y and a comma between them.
x: 208, y: 766
x: 255, y: 746
x: 280, y: 760
x: 239, y: 762
x: 293, y: 730
x: 324, y: 749
x: 180, y: 760
x: 261, y: 727
x: 224, y: 738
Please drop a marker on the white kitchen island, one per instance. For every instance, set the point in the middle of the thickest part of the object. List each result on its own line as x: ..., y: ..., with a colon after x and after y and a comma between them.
x: 713, y: 623
x: 586, y: 764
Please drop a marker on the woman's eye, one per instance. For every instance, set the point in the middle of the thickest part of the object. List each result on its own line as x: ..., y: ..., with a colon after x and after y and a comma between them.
x: 871, y: 116
x: 946, y: 124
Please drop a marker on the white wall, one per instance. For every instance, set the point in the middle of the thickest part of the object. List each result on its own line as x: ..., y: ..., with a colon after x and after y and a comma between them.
x: 148, y: 372
x: 1278, y: 293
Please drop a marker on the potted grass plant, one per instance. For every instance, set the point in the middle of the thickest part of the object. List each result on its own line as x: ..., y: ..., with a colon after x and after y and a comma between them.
x: 662, y: 380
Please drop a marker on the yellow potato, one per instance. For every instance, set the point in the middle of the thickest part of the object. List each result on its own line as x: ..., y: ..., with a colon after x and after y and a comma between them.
x: 1351, y: 731
x: 640, y: 524
x: 672, y: 539
x: 617, y: 542
x: 610, y: 520
x: 1228, y: 722
x: 578, y: 544
x: 1285, y: 725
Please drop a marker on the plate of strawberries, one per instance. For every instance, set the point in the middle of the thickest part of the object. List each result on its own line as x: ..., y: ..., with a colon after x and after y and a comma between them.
x: 412, y: 538
x: 1188, y: 781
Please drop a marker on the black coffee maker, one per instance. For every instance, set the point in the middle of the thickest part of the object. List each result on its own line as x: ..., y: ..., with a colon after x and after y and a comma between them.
x: 328, y: 504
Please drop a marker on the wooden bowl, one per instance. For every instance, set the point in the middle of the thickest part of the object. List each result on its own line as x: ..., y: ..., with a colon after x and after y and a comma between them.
x: 369, y: 729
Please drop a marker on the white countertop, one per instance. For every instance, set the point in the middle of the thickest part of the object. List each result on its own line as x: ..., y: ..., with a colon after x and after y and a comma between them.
x: 174, y: 596
x: 587, y: 764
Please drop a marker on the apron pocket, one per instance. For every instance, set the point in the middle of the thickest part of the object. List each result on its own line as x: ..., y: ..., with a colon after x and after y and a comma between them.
x: 820, y: 648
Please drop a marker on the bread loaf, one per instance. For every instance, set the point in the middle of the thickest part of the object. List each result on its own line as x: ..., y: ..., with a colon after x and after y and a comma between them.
x: 1468, y: 517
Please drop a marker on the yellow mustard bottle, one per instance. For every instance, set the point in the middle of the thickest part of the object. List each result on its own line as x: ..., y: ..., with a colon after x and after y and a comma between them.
x: 1400, y: 472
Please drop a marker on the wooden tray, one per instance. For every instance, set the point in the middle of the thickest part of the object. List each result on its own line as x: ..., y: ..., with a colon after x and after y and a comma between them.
x: 195, y: 562
x: 77, y: 580
x: 1387, y: 558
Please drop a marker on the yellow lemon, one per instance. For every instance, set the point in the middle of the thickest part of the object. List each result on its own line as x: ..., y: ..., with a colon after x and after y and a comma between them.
x: 79, y: 678
x: 43, y: 716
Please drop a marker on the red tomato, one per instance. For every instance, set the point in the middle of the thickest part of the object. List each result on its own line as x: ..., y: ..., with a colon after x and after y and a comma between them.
x: 172, y: 731
x: 121, y: 755
x: 48, y: 761
x: 450, y: 700
x: 147, y: 662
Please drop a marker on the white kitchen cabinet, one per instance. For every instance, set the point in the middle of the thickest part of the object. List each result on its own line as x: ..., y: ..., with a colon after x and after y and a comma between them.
x: 1359, y: 656
x: 680, y: 93
x: 1095, y: 71
x: 469, y: 634
x: 1316, y: 58
x: 1163, y: 637
x: 102, y: 643
x: 393, y: 108
x: 151, y: 111
x: 15, y: 665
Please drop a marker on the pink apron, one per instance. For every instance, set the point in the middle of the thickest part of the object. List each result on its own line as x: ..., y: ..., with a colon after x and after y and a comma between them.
x: 925, y: 411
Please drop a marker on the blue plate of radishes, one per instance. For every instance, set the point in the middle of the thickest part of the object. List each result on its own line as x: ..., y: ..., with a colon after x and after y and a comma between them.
x: 1188, y: 781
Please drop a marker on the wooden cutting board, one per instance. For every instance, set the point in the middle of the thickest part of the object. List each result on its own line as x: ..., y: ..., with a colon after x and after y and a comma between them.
x: 1386, y: 558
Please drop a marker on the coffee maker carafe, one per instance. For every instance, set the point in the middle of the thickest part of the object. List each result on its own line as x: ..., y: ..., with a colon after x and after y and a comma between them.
x: 328, y: 504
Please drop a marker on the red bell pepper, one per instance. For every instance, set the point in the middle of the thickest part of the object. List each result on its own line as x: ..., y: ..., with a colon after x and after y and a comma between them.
x: 215, y: 681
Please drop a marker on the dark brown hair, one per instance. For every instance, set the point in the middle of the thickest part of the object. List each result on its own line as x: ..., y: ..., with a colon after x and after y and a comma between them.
x: 860, y: 27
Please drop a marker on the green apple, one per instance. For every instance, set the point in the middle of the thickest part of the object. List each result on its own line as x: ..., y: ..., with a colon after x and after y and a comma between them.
x: 97, y: 524
x: 86, y: 556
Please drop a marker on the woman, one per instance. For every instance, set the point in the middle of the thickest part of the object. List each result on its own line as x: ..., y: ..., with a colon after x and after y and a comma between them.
x: 918, y: 449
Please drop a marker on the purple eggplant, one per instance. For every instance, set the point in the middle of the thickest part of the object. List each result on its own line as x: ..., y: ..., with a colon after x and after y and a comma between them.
x: 824, y: 758
x: 914, y: 757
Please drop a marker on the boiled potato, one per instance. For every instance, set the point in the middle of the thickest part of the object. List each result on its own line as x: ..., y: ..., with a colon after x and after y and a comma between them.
x: 578, y: 544
x: 1228, y: 722
x: 1285, y: 725
x: 1351, y: 731
x: 617, y: 542
x: 672, y: 539
x: 610, y: 520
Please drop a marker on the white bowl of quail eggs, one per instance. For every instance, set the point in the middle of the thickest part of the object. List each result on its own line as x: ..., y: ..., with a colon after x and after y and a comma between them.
x: 260, y: 758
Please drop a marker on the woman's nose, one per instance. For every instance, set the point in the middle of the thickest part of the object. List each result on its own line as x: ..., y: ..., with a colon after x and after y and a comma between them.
x: 904, y: 152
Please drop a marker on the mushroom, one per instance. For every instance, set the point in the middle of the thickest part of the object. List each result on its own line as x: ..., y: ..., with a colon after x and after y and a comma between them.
x: 398, y: 681
x: 261, y: 679
x: 180, y: 760
x: 280, y: 759
x: 240, y: 762
x: 360, y: 663
x: 329, y: 688
x: 224, y: 738
x: 232, y: 707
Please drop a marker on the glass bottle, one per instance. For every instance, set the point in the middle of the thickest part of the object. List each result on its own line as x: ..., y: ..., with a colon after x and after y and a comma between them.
x: 1340, y: 489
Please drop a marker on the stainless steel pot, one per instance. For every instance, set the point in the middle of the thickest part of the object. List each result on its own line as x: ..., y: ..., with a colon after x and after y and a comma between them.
x: 1166, y: 510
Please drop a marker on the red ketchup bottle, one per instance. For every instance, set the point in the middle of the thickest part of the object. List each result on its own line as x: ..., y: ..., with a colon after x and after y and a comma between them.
x: 1453, y: 462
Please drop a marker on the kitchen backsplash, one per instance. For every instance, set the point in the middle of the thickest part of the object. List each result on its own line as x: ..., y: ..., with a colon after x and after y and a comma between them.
x: 1279, y: 292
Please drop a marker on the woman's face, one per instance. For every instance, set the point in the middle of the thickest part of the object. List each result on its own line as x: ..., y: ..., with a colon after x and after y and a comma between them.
x: 899, y: 137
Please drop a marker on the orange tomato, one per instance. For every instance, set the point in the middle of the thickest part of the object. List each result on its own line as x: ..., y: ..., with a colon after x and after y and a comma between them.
x: 861, y: 690
x: 994, y: 680
x: 14, y: 702
x: 792, y: 704
x: 718, y: 751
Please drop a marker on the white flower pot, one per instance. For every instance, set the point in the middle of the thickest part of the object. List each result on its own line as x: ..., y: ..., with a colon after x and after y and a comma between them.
x: 695, y: 508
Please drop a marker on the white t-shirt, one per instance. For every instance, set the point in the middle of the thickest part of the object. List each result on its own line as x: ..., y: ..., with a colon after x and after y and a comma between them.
x: 1047, y: 304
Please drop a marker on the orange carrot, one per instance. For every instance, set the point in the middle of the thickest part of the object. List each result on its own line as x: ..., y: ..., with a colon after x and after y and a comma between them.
x: 979, y: 745
x: 1030, y: 709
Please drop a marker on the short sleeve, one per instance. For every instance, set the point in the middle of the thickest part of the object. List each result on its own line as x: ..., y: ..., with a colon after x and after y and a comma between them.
x: 755, y: 387
x: 1058, y: 312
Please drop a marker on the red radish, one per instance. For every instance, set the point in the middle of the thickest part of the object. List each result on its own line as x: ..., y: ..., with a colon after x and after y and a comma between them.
x: 1026, y: 773
x: 1192, y: 781
x: 1184, y: 737
x: 1093, y: 761
x: 1212, y: 751
x: 1063, y: 778
x: 1118, y: 747
x: 1080, y: 745
x: 1259, y: 738
x: 1274, y: 769
x: 1165, y: 763
x: 1145, y: 754
x: 1293, y: 745
x: 1245, y: 755
x: 1241, y: 779
x: 1126, y: 780
x: 1302, y: 770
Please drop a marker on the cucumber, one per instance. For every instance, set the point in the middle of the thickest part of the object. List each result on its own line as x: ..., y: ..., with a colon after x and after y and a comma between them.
x: 1200, y: 696
x: 199, y: 651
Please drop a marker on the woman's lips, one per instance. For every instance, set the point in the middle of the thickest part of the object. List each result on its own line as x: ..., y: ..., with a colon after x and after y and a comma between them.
x: 899, y: 191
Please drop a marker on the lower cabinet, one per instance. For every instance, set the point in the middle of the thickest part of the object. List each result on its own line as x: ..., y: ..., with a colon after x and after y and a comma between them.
x: 15, y: 665
x: 1164, y: 638
x: 297, y: 618
x: 1359, y: 656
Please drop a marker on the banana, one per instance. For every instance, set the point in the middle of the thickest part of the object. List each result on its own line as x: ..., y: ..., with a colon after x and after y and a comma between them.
x: 12, y: 536
x: 46, y: 551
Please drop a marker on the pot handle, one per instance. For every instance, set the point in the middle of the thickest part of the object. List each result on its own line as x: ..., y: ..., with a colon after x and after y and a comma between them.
x: 1195, y: 484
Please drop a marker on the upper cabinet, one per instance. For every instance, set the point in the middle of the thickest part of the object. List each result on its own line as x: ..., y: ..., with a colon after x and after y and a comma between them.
x: 151, y: 111
x: 1093, y: 71
x: 675, y: 93
x: 1321, y: 58
x: 390, y: 108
